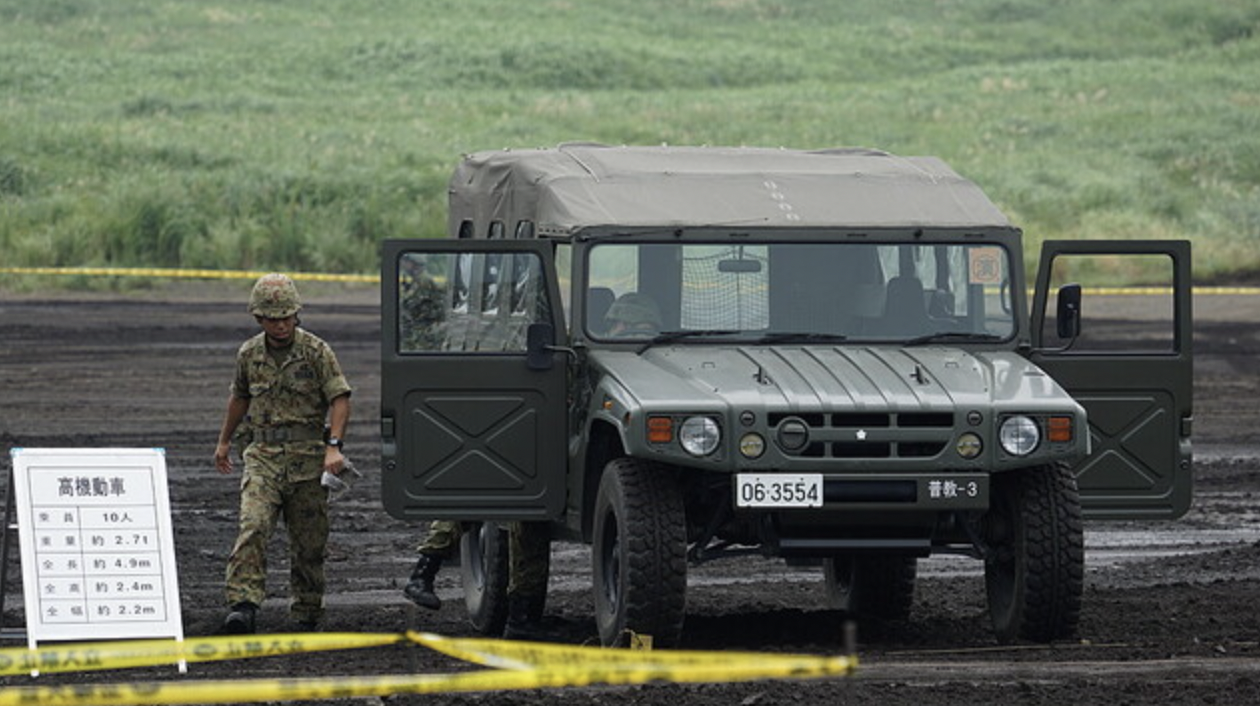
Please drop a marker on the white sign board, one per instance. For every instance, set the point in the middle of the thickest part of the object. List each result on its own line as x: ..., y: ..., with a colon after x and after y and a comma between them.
x: 98, y: 556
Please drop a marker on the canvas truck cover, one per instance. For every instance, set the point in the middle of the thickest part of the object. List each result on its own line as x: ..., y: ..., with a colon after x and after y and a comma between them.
x: 576, y: 186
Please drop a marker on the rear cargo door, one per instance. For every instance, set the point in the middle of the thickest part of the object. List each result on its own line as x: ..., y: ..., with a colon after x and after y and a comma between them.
x: 468, y: 429
x: 1131, y: 368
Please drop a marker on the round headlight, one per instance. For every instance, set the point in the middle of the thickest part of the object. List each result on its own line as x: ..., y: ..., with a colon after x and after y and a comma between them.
x: 699, y: 436
x: 752, y: 445
x: 969, y: 445
x: 1019, y: 436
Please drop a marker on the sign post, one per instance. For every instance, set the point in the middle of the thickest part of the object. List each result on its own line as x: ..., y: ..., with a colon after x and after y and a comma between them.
x: 98, y: 556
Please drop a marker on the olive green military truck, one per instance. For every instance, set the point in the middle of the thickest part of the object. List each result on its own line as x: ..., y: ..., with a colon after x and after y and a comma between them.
x: 829, y: 357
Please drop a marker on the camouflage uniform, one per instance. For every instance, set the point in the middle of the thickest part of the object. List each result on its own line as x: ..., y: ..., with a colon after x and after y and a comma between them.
x: 422, y: 307
x: 529, y: 550
x: 529, y: 562
x: 289, y: 392
x: 442, y: 540
x: 633, y: 314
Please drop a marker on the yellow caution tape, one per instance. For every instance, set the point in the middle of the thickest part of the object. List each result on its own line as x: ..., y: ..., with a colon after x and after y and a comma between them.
x: 177, y: 273
x: 529, y: 665
x: 88, y: 656
x: 237, y: 691
x: 550, y: 657
x: 1220, y: 291
x: 1163, y: 291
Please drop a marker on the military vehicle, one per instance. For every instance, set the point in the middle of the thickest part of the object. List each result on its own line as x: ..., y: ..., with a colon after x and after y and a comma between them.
x: 675, y: 354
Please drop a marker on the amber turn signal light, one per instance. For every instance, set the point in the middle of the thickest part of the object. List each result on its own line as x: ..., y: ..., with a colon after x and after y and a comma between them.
x: 1060, y: 429
x: 660, y: 430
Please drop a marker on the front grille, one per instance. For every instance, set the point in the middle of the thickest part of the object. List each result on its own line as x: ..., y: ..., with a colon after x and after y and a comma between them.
x: 871, y: 435
x: 854, y: 449
x: 810, y: 420
x: 925, y: 419
x: 920, y: 449
x: 859, y: 420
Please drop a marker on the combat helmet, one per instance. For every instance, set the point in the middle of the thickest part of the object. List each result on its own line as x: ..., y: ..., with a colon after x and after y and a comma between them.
x: 274, y: 297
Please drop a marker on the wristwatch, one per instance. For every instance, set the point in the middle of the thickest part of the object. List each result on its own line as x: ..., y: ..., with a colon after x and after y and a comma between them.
x: 335, y: 442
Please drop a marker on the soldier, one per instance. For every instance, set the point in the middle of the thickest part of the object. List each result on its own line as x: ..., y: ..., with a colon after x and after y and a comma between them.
x: 438, y: 546
x: 633, y: 314
x: 529, y: 563
x: 422, y: 308
x: 288, y: 386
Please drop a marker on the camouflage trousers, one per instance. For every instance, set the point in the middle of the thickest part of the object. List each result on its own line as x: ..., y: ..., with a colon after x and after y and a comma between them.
x: 274, y: 487
x: 529, y: 552
x: 529, y: 558
x: 442, y: 540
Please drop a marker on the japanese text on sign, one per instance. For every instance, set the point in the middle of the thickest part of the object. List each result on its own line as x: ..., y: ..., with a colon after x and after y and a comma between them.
x: 97, y: 551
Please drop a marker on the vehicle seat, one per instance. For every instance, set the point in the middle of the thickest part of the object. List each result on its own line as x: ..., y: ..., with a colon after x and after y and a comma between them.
x: 905, y: 311
x: 598, y: 301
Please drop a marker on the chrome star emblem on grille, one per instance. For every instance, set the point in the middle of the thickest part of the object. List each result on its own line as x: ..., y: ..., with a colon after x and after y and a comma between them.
x: 861, y: 435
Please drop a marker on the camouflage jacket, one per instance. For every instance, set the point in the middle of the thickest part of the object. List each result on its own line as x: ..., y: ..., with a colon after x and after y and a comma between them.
x: 295, y: 393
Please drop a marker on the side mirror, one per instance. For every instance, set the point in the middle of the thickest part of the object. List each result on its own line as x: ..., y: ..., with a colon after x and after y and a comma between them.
x: 1069, y: 312
x: 540, y: 342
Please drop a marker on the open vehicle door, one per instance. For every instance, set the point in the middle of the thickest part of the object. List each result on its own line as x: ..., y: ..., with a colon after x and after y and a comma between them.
x: 472, y: 402
x: 1130, y: 367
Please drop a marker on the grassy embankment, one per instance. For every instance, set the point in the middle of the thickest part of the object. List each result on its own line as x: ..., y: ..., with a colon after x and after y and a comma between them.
x: 260, y: 134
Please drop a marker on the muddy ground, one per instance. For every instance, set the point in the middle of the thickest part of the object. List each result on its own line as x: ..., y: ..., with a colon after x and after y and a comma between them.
x: 1169, y: 612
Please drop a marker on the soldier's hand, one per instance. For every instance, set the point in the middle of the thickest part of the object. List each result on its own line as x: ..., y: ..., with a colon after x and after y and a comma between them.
x: 340, y: 483
x: 223, y: 458
x: 334, y: 461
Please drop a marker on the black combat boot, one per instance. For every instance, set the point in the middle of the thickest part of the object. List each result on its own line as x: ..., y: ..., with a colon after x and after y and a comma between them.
x: 419, y: 589
x: 241, y: 620
x: 525, y: 619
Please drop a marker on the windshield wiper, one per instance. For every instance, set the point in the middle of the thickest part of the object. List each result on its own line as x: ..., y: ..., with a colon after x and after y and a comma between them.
x: 670, y: 336
x: 801, y: 337
x: 940, y: 336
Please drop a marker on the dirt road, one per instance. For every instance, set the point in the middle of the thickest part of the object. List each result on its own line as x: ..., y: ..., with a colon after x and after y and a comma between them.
x: 1169, y: 612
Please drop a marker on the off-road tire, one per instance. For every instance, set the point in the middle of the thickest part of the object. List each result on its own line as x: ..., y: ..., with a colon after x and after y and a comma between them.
x: 871, y: 586
x: 639, y: 554
x: 1035, y: 571
x: 483, y: 551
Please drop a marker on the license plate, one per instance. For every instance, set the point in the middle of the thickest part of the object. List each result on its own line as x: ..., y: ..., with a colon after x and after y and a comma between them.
x: 778, y: 490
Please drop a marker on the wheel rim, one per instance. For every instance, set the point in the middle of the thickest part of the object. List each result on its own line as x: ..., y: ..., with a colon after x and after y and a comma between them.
x: 478, y: 558
x: 610, y: 562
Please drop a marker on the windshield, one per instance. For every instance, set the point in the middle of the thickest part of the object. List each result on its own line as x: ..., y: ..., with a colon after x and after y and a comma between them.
x: 799, y: 292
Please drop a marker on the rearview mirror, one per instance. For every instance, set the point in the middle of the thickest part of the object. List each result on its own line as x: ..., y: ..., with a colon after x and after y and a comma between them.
x: 1069, y: 312
x: 539, y: 341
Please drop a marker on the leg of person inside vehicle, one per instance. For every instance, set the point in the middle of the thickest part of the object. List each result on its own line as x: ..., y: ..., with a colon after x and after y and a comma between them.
x: 529, y: 565
x: 440, y: 545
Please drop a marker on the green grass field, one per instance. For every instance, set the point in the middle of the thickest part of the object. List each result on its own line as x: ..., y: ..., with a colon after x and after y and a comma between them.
x: 295, y: 134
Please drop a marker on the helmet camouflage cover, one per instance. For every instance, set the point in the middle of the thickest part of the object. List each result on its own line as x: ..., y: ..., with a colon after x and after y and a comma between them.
x: 274, y: 297
x: 634, y: 309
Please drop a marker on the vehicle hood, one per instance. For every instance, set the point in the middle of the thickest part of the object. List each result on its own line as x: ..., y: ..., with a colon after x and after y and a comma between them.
x: 825, y: 378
